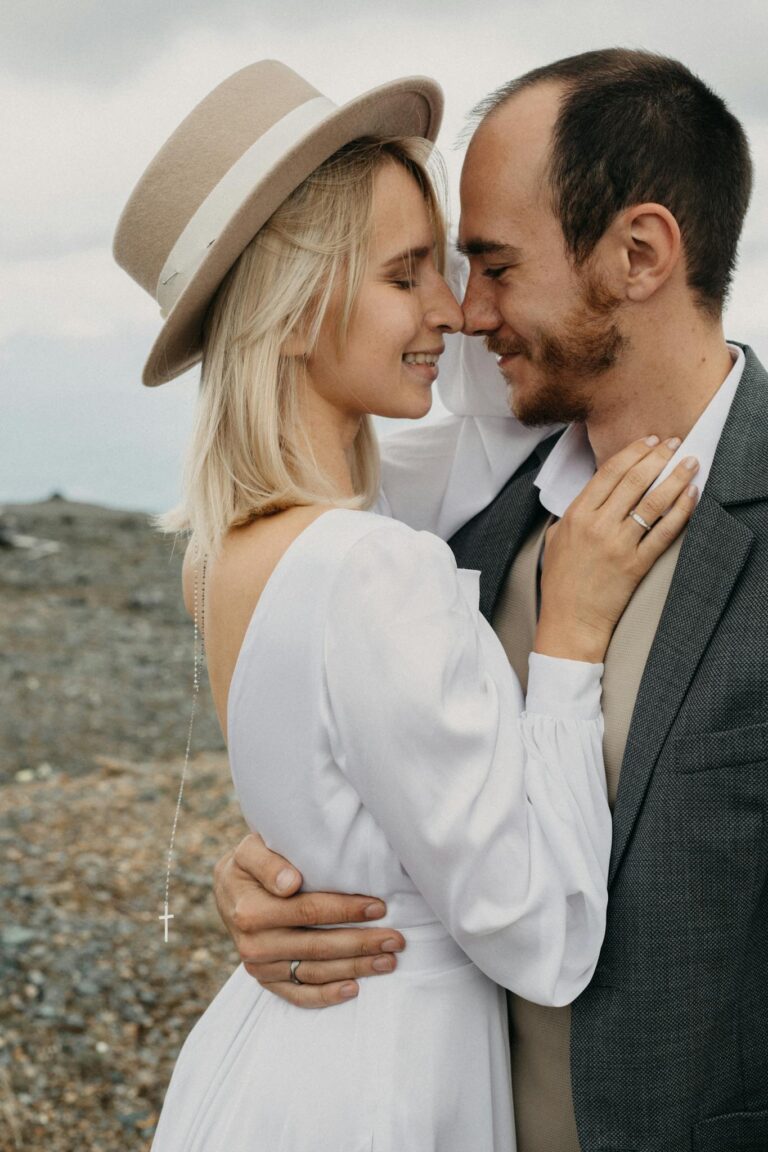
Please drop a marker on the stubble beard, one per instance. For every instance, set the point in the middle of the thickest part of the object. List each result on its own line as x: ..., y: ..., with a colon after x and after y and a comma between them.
x: 587, y: 345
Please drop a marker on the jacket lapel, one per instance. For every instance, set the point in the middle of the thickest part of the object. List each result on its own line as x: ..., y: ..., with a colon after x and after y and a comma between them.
x: 713, y: 554
x: 491, y: 540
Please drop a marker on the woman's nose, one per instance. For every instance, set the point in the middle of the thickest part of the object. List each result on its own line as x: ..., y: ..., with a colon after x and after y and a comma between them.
x: 445, y: 311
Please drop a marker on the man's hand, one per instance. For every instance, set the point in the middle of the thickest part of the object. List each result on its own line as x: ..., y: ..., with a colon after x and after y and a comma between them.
x: 257, y: 895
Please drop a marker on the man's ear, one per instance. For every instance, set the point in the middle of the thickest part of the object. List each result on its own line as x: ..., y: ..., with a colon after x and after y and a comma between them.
x: 651, y: 249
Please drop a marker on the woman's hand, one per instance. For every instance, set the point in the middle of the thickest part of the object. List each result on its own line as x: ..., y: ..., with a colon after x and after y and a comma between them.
x: 596, y: 556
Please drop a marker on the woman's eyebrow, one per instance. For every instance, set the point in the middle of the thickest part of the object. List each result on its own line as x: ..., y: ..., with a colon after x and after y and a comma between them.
x: 407, y: 256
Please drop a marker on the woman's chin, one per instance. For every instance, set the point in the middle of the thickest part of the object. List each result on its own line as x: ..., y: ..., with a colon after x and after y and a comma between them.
x: 418, y: 404
x: 410, y: 407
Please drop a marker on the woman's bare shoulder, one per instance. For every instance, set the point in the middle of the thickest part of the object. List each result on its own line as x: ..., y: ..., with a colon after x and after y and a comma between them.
x: 248, y: 554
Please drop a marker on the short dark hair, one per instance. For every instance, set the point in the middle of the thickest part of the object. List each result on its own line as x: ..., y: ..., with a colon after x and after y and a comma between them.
x: 633, y: 127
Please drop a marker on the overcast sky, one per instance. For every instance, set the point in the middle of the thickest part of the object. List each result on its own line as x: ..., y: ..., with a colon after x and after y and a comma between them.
x: 89, y: 89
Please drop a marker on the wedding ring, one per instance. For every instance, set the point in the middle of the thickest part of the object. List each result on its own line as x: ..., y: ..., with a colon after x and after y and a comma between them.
x: 294, y: 977
x: 639, y: 520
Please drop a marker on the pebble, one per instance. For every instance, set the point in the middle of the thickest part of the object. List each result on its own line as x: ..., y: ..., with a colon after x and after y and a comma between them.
x: 14, y: 936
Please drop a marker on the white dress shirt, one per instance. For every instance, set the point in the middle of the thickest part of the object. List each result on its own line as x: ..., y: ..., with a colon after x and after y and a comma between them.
x: 571, y: 463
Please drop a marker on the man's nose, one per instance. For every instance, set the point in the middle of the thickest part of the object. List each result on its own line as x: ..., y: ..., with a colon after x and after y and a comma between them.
x: 481, y: 316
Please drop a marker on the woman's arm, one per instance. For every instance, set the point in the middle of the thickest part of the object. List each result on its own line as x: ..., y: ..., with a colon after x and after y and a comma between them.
x: 438, y: 476
x: 594, y: 560
x: 500, y: 820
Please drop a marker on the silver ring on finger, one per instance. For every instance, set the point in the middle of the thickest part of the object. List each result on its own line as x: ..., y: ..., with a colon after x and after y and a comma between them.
x: 294, y: 977
x: 638, y: 519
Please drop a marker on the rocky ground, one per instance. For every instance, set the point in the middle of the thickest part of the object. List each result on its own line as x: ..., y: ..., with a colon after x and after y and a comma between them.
x: 99, y: 643
x: 95, y: 685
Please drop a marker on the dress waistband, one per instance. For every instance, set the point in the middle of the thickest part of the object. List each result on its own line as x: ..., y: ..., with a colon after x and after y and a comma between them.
x: 428, y: 947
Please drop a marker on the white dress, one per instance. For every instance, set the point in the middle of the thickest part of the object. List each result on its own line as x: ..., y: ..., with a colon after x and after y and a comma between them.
x: 377, y: 738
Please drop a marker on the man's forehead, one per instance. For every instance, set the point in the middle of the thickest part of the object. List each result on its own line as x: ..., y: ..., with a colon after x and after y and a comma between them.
x: 504, y: 172
x: 495, y: 201
x: 517, y: 134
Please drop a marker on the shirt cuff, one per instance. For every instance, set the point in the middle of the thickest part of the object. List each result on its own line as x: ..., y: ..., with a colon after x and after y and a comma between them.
x: 560, y: 688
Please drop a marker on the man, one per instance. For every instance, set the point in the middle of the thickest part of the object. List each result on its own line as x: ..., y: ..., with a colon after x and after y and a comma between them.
x: 602, y: 201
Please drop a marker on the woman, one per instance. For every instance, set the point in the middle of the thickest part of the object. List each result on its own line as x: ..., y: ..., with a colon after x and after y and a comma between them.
x: 376, y: 732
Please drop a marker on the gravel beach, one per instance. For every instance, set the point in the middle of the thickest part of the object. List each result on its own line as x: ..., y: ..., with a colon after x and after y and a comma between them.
x: 95, y: 684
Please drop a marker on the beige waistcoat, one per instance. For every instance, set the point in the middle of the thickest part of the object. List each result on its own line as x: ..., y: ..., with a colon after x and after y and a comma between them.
x: 540, y: 1037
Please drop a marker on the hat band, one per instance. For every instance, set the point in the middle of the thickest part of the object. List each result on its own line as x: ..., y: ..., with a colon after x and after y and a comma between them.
x: 232, y: 191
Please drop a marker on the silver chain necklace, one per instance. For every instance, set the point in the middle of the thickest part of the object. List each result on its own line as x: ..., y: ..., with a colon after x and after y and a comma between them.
x: 198, y: 654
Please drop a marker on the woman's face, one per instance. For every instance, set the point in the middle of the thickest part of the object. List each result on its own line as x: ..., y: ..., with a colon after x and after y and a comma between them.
x: 403, y: 308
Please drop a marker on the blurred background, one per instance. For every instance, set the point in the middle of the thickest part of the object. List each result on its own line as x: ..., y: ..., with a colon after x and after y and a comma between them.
x: 95, y: 680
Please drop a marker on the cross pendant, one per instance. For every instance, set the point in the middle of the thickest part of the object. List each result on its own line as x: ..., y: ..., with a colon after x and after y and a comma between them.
x: 166, y: 917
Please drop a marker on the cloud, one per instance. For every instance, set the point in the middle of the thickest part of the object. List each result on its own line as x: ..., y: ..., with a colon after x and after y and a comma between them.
x: 72, y: 156
x: 98, y: 43
x: 75, y: 297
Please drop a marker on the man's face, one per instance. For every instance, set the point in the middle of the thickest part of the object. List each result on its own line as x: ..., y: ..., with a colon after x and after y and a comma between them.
x: 554, y: 327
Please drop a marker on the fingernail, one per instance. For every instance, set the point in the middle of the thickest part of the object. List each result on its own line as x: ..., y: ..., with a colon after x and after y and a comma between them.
x: 383, y: 964
x: 651, y: 441
x: 348, y: 991
x: 285, y: 879
x: 674, y: 442
x: 692, y: 491
x: 391, y: 945
x: 373, y: 911
x: 690, y: 462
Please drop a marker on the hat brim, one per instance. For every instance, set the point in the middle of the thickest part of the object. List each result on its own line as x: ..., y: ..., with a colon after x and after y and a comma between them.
x: 408, y: 107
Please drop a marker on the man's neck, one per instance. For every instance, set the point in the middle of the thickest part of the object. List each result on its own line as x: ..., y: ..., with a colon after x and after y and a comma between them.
x: 662, y: 391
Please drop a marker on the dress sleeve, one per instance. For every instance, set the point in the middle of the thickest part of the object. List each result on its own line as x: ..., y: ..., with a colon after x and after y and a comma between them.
x: 499, y: 815
x: 435, y: 477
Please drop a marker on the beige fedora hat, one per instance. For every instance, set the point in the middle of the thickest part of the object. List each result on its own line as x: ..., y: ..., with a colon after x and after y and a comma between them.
x: 225, y: 170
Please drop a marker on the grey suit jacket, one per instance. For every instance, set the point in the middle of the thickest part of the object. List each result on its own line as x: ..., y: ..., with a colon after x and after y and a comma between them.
x: 669, y: 1043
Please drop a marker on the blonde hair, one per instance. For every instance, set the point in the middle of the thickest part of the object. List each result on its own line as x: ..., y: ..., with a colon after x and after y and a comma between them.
x: 250, y: 454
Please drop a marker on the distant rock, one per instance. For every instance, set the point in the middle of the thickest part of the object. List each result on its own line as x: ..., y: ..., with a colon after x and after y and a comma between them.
x: 150, y: 598
x: 33, y: 545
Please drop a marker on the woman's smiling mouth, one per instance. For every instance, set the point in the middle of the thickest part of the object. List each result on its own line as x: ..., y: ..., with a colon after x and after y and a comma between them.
x: 423, y: 364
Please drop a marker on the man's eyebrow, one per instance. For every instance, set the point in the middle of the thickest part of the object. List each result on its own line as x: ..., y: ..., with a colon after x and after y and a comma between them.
x: 489, y: 248
x: 408, y: 256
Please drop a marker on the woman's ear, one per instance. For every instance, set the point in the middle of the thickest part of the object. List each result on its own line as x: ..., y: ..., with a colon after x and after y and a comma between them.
x: 295, y: 346
x: 650, y: 237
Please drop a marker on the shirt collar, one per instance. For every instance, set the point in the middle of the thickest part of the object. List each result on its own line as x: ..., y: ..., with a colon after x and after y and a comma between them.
x: 571, y: 463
